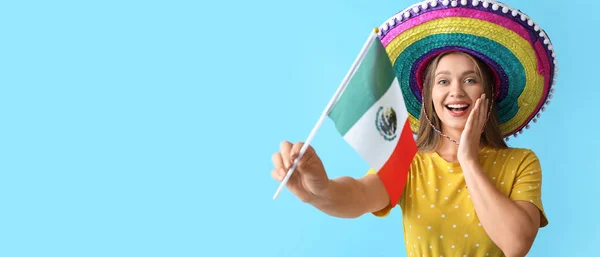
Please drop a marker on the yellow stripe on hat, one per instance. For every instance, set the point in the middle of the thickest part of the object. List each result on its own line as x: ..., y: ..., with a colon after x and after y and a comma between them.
x: 521, y: 48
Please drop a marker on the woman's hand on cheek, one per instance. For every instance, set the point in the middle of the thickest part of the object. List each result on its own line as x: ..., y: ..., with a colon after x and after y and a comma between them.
x: 468, y: 148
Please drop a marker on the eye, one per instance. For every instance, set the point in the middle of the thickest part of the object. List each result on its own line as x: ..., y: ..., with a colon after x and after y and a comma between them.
x: 470, y: 81
x: 442, y: 82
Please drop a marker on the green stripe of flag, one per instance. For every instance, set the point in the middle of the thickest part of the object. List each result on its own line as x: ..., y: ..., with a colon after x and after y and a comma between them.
x: 371, y: 80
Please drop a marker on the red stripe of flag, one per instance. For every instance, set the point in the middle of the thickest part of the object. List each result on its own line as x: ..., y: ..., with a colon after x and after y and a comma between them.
x: 394, y: 172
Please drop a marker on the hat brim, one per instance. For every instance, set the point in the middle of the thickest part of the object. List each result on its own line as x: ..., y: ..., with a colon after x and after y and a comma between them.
x: 517, y: 50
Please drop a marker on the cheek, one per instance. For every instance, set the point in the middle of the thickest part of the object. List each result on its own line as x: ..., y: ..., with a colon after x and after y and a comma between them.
x: 437, y: 99
x: 475, y: 92
x: 437, y: 95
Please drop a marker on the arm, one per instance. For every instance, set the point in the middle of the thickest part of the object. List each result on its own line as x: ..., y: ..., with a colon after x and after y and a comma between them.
x: 512, y: 225
x: 343, y: 197
x: 346, y: 197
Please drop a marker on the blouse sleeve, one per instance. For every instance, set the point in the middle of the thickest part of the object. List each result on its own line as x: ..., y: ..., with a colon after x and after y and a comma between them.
x: 385, y: 211
x: 528, y: 184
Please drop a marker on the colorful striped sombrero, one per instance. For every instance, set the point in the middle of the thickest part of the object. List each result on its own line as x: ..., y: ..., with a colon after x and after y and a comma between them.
x: 510, y: 42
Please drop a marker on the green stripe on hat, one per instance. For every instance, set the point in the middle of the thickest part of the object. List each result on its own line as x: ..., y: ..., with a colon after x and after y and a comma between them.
x: 507, y: 108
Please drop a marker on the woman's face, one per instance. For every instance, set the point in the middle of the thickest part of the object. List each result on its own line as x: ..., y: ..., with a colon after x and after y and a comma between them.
x: 455, y: 89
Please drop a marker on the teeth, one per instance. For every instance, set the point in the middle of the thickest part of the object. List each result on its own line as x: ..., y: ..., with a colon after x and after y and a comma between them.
x: 458, y: 105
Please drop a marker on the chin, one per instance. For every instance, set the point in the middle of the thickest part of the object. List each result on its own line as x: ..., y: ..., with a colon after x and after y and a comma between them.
x: 456, y: 127
x: 454, y: 124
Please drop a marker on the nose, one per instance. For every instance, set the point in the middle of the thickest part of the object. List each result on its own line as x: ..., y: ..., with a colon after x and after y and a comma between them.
x: 456, y: 89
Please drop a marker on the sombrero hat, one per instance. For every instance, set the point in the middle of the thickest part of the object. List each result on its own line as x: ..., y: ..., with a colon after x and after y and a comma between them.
x: 517, y: 50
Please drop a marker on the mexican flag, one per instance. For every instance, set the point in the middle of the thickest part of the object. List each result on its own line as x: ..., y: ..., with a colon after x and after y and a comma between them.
x: 371, y: 116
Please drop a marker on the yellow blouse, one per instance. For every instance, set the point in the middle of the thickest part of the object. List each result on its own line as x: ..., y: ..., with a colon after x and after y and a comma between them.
x: 438, y: 217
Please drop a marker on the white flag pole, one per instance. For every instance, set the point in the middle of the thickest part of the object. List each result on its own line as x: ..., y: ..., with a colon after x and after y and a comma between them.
x: 333, y: 100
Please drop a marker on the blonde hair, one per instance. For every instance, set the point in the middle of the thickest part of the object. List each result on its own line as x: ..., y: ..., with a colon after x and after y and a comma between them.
x: 427, y: 139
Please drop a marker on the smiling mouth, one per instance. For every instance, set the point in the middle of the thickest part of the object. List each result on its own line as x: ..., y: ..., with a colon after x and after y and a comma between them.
x: 457, y: 107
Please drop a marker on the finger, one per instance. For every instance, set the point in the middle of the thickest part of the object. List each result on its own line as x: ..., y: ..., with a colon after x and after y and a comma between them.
x: 277, y: 161
x: 487, y: 107
x: 473, y: 115
x: 278, y: 174
x: 309, y: 153
x: 482, y: 107
x: 295, y: 151
x: 484, y: 115
x: 284, y: 149
x: 484, y: 111
x: 477, y: 111
x: 279, y: 170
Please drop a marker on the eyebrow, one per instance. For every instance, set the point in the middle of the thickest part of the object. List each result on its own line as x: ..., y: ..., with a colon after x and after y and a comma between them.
x: 448, y: 73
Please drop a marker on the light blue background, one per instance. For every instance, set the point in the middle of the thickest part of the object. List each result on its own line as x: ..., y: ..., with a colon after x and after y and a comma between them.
x: 146, y: 128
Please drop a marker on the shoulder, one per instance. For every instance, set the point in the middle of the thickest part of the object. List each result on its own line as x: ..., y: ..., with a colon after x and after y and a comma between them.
x: 420, y: 155
x: 516, y: 152
x: 427, y: 162
x: 519, y: 157
x: 421, y: 158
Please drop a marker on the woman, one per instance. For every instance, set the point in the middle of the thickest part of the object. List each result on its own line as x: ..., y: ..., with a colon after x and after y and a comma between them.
x: 467, y: 193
